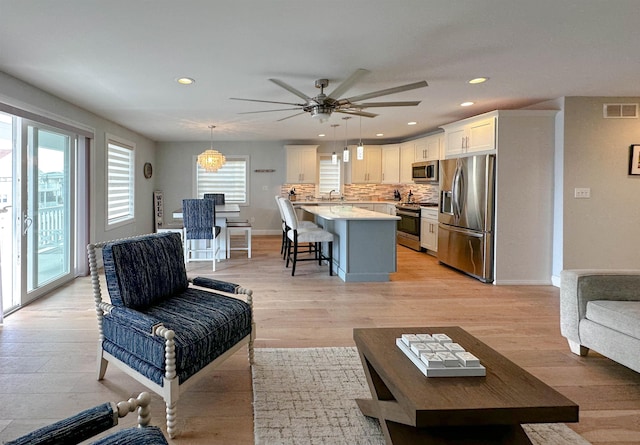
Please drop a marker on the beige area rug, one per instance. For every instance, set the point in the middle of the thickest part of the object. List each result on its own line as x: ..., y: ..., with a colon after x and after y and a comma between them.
x: 306, y: 396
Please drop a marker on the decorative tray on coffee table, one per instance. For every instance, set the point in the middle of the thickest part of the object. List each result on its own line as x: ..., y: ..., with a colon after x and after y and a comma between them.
x: 437, y: 355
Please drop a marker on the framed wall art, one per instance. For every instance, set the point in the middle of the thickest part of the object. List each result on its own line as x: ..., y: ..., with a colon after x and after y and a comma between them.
x: 634, y: 160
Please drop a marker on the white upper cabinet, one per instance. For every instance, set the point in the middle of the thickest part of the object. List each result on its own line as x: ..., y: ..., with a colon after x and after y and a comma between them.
x: 429, y: 148
x: 369, y: 169
x: 390, y: 164
x: 302, y: 164
x: 407, y: 157
x: 470, y: 136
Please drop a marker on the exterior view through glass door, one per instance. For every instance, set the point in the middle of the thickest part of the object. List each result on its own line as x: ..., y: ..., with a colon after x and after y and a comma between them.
x: 47, y: 221
x: 37, y: 210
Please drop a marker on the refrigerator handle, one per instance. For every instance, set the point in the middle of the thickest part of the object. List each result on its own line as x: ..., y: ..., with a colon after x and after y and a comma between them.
x: 455, y: 189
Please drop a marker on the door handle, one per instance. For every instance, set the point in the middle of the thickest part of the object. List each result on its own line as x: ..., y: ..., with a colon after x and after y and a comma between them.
x: 26, y: 223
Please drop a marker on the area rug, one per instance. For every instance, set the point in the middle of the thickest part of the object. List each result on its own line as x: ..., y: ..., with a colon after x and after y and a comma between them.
x: 306, y: 397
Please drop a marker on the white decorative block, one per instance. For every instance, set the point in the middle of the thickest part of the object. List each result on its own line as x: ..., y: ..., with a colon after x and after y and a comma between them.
x: 453, y: 347
x: 432, y: 360
x: 436, y: 347
x: 410, y: 338
x: 442, y: 338
x: 467, y: 359
x: 426, y: 338
x: 419, y: 348
x: 448, y: 359
x: 438, y: 360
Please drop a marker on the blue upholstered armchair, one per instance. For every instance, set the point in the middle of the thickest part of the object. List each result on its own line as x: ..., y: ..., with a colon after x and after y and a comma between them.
x: 96, y: 420
x: 161, y: 328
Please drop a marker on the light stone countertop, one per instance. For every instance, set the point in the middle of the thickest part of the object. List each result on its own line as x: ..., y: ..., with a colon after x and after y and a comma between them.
x: 346, y: 211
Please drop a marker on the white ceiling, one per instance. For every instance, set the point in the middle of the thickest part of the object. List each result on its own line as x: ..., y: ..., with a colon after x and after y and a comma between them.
x: 120, y: 59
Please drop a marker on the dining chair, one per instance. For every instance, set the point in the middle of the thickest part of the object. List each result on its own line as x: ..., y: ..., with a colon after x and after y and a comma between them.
x: 199, y: 217
x: 297, y: 235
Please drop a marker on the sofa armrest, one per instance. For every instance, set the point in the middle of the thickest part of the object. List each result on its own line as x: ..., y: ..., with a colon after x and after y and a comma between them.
x: 579, y: 286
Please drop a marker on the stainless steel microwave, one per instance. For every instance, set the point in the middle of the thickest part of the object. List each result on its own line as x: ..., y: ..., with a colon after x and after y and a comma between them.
x: 426, y: 171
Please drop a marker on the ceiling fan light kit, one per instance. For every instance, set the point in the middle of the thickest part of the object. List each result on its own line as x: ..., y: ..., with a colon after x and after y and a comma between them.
x: 321, y: 106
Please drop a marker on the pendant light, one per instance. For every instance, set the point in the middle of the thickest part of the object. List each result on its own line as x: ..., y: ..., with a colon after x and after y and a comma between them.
x: 211, y: 160
x: 345, y: 152
x: 360, y: 147
x: 334, y: 156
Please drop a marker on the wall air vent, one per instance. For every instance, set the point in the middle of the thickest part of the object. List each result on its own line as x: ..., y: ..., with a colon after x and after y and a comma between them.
x: 620, y: 111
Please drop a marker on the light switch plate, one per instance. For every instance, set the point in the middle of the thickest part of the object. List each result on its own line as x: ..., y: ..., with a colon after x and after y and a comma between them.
x: 582, y: 193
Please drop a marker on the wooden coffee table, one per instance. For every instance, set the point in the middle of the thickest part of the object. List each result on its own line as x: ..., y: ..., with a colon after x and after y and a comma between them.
x: 413, y: 408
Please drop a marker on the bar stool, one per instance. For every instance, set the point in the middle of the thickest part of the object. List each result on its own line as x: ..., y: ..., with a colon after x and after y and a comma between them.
x: 285, y: 229
x: 243, y: 228
x: 315, y: 238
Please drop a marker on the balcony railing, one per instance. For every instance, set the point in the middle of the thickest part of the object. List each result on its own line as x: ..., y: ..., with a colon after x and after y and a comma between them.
x: 51, y: 226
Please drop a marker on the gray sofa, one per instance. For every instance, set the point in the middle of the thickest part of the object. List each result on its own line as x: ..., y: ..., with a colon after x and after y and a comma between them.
x: 600, y: 310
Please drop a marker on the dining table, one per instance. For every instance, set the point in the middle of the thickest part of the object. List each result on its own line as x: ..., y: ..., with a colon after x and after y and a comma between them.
x: 223, y: 211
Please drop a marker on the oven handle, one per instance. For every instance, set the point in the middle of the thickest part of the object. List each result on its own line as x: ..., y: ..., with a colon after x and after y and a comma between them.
x: 401, y: 213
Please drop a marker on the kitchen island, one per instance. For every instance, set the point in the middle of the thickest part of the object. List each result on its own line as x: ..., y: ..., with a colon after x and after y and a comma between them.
x: 364, y: 248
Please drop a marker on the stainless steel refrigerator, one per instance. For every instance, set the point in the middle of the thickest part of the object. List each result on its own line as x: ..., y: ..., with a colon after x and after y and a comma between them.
x: 467, y: 203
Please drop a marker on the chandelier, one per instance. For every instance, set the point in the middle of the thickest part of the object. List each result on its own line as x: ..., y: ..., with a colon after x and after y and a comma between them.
x: 211, y: 160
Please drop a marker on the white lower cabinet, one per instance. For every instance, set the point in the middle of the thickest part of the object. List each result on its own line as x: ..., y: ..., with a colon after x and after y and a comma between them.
x: 429, y: 229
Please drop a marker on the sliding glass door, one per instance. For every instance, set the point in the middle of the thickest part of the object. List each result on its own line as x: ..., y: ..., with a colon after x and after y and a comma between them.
x: 37, y: 209
x: 47, y: 220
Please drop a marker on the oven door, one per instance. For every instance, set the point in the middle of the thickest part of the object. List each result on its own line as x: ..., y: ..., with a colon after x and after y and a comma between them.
x: 409, y: 222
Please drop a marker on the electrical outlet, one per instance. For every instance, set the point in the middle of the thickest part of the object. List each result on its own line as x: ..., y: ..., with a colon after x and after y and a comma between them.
x: 582, y: 193
x: 265, y: 188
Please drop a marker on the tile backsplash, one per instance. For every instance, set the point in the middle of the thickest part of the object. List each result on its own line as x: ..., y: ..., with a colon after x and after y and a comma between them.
x: 369, y: 192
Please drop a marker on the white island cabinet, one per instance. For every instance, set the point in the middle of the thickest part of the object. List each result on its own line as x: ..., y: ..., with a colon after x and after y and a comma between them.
x: 364, y: 245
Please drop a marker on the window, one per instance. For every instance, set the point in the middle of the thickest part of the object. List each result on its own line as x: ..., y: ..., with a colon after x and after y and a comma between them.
x: 329, y: 176
x: 230, y: 179
x: 120, y: 181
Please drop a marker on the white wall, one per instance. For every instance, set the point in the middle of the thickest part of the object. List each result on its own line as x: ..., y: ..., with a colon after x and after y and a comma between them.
x: 600, y: 232
x: 18, y: 94
x: 175, y: 173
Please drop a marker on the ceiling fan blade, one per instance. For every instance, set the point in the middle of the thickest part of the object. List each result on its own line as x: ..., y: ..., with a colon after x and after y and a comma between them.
x: 348, y: 83
x: 387, y: 104
x: 411, y: 86
x: 268, y: 101
x: 357, y: 112
x: 289, y: 88
x: 289, y: 117
x: 268, y: 111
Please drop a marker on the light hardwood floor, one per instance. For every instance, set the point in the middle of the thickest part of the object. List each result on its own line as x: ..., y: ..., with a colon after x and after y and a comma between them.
x: 48, y: 349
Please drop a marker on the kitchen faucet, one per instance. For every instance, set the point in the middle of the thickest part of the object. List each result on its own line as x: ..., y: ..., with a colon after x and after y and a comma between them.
x: 332, y: 191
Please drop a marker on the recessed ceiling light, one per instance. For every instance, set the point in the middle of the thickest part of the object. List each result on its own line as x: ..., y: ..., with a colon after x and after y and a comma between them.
x: 466, y: 104
x: 321, y: 135
x: 185, y: 80
x: 379, y: 134
x: 478, y: 80
x: 411, y: 123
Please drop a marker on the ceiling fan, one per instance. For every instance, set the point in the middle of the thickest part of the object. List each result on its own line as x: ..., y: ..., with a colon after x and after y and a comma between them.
x: 322, y: 105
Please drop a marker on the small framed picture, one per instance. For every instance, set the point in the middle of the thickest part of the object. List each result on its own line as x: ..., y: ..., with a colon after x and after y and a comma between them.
x: 634, y: 160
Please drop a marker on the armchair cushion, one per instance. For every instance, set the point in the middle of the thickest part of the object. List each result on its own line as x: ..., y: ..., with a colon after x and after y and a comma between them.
x: 154, y: 268
x: 206, y: 325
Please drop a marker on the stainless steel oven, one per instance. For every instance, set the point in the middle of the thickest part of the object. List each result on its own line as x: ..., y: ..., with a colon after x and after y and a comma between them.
x: 408, y: 226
